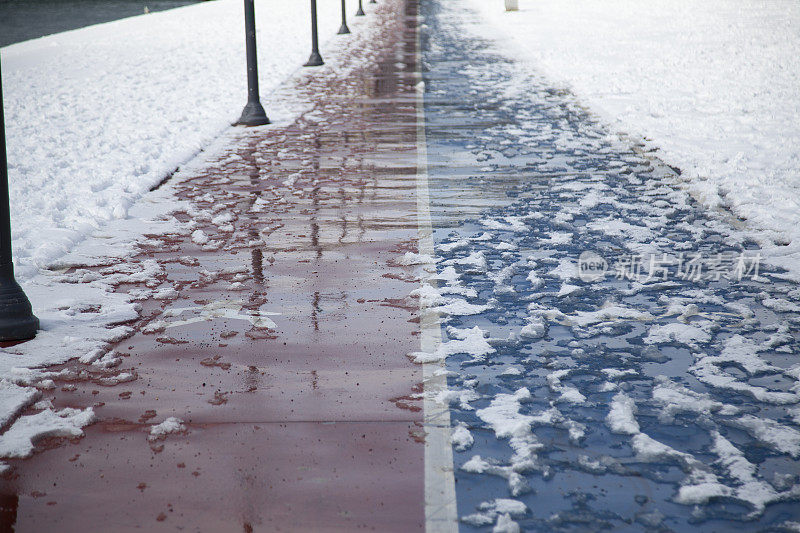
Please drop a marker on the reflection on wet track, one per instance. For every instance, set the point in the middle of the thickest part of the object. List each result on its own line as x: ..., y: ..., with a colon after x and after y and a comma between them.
x: 277, y: 332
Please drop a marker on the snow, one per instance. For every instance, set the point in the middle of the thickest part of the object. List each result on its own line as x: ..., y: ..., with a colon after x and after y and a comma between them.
x: 712, y: 85
x: 514, y: 224
x: 566, y: 270
x: 505, y: 524
x: 783, y: 438
x: 14, y: 399
x: 621, y: 417
x: 478, y: 465
x: 615, y: 373
x: 20, y: 439
x: 459, y: 307
x: 558, y: 237
x: 781, y: 305
x: 675, y: 399
x: 505, y: 246
x: 504, y: 417
x: 607, y: 313
x: 448, y: 275
x: 513, y: 370
x: 461, y: 438
x: 460, y: 396
x: 742, y: 353
x: 700, y: 487
x: 649, y: 450
x: 620, y: 228
x: 676, y: 332
x: 167, y: 427
x: 707, y: 372
x: 475, y: 260
x: 535, y: 280
x: 534, y: 329
x: 703, y: 486
x: 470, y: 341
x: 478, y: 519
x: 567, y: 393
x: 501, y: 510
x: 199, y: 237
x: 411, y: 258
x: 428, y: 295
x: 96, y: 117
x: 453, y: 246
x: 567, y: 289
x: 165, y: 294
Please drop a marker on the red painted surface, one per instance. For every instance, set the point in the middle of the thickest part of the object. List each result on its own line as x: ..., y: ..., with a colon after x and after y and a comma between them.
x: 310, y: 425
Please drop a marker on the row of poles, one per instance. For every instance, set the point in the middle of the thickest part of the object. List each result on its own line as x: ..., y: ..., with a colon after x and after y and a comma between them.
x: 17, y: 321
x: 253, y: 113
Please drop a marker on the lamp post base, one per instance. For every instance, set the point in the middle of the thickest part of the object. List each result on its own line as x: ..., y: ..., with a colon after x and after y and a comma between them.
x: 17, y: 321
x: 253, y: 115
x: 360, y: 12
x: 343, y: 29
x: 315, y: 60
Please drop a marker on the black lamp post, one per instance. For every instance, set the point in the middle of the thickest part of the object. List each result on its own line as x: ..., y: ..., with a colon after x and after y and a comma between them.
x: 373, y: 1
x: 253, y: 113
x: 16, y: 316
x: 360, y: 12
x: 315, y: 60
x: 343, y: 28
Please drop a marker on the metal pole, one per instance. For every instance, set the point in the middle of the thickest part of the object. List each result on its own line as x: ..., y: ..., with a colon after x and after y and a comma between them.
x: 16, y: 316
x: 343, y: 29
x: 373, y: 2
x: 360, y: 12
x: 253, y: 113
x: 315, y: 60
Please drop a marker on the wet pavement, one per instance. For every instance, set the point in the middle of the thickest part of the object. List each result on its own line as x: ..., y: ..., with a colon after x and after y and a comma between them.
x: 283, y: 332
x: 276, y: 333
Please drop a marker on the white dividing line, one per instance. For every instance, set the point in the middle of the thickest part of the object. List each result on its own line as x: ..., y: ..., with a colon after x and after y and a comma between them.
x: 440, y: 492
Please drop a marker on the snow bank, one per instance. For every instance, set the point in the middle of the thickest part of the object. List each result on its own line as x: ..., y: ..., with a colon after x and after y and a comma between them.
x: 95, y: 117
x: 712, y: 84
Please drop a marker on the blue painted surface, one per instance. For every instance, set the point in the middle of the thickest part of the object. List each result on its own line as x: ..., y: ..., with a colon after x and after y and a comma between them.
x: 503, y: 143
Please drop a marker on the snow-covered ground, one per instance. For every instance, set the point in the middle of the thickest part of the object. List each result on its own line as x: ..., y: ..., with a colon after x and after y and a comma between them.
x: 95, y: 118
x: 713, y: 85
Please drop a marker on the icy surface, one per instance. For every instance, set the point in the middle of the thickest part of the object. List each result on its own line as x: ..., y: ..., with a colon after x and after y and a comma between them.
x: 642, y: 400
x: 712, y: 85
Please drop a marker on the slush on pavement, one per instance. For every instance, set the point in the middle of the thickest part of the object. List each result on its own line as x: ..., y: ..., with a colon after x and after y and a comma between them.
x: 493, y: 266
